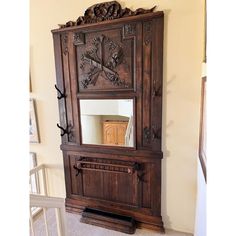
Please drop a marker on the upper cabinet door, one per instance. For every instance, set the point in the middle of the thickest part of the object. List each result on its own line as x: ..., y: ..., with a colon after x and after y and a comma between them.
x: 106, y: 57
x: 122, y: 60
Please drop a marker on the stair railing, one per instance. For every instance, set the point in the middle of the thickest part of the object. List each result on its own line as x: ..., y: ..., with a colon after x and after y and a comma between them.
x: 44, y: 202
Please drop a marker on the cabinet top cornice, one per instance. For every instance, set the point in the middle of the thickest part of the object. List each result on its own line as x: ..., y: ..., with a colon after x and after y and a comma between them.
x: 105, y: 11
x: 147, y: 16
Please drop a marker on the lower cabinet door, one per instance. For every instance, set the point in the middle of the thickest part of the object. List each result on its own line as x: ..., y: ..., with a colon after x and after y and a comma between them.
x: 106, y: 179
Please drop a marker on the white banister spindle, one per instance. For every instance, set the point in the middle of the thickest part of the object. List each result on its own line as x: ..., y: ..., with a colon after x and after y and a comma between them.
x: 31, y: 222
x: 44, y: 182
x: 60, y: 221
x: 30, y: 183
x: 44, y: 202
x: 45, y: 220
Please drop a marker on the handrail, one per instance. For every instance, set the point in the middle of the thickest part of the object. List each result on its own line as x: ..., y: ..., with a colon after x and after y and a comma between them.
x: 45, y: 201
x: 36, y: 169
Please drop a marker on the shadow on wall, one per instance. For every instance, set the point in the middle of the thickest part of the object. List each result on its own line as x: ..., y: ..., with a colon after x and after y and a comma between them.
x: 166, y: 125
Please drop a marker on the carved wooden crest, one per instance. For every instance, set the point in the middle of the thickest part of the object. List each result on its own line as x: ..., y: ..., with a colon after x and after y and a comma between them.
x: 99, y: 65
x: 105, y: 11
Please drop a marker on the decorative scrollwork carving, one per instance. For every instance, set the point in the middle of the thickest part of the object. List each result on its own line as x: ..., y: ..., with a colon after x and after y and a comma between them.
x: 105, y: 11
x: 64, y: 43
x: 100, y: 66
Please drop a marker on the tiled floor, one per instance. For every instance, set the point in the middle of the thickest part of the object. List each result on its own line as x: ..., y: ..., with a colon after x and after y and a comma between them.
x: 75, y: 228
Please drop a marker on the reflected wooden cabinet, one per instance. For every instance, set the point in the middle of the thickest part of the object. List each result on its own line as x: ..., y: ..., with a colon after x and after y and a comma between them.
x: 112, y: 56
x: 114, y: 132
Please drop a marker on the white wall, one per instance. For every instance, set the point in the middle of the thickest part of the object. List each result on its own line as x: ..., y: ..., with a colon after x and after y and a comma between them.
x: 92, y: 129
x: 99, y: 107
x: 183, y: 54
x: 107, y: 107
x: 125, y: 107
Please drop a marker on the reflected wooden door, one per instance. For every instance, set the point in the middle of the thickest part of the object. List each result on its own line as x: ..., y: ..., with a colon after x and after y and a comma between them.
x: 114, y: 132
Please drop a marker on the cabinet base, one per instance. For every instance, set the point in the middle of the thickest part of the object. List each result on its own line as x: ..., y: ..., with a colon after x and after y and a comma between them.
x: 140, y: 220
x: 108, y: 220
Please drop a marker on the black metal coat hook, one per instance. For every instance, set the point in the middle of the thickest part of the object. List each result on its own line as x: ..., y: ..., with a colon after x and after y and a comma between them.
x: 64, y: 131
x: 62, y: 95
x: 78, y: 170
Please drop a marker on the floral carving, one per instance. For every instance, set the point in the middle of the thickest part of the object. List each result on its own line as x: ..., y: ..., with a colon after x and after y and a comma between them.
x: 100, y: 66
x: 105, y: 11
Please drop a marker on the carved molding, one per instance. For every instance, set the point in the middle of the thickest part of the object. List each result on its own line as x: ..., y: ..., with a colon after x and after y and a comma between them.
x: 100, y: 66
x: 79, y: 38
x: 106, y: 165
x: 147, y: 135
x: 64, y: 41
x: 157, y: 89
x: 147, y: 32
x: 105, y: 11
x: 71, y: 136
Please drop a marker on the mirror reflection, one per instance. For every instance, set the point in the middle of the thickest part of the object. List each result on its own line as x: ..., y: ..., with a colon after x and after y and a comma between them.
x: 107, y: 122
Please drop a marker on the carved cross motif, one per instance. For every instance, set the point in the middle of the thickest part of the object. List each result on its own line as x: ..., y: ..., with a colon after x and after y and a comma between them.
x: 101, y: 66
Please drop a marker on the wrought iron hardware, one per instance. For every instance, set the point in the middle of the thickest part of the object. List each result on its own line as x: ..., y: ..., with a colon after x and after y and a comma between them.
x: 64, y: 131
x: 141, y: 177
x: 62, y: 95
x: 77, y: 169
x: 136, y: 166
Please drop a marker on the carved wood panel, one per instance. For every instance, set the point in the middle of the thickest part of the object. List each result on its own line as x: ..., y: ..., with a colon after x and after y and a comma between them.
x: 105, y: 59
x: 147, y: 77
x: 105, y: 179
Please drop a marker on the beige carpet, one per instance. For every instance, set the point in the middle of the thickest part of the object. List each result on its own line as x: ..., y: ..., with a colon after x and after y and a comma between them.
x: 75, y: 228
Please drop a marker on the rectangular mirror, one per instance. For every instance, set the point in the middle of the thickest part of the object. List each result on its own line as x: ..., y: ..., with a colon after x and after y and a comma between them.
x: 107, y: 122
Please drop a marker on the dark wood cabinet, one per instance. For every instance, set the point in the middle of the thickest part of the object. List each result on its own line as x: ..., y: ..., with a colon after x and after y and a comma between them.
x: 115, y: 57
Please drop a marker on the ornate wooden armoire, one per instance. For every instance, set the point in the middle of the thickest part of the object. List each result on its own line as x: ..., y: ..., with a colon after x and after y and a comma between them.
x: 109, y: 62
